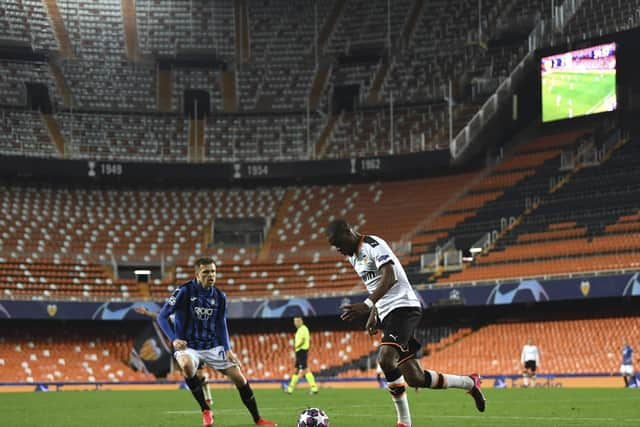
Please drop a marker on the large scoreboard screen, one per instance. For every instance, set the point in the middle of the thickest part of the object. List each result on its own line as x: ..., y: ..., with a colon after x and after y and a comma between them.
x: 579, y: 82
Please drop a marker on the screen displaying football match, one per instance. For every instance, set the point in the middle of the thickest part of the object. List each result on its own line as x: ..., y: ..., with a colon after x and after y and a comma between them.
x: 579, y: 82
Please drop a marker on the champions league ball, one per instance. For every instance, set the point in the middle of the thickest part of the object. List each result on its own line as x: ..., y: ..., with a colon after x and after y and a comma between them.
x: 313, y: 417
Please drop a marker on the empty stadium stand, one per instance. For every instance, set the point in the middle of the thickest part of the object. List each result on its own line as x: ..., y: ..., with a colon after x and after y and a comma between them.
x: 95, y: 354
x: 569, y: 230
x: 577, y: 346
x: 271, y: 356
x: 496, y: 201
x: 72, y: 353
x: 63, y: 242
x: 24, y: 133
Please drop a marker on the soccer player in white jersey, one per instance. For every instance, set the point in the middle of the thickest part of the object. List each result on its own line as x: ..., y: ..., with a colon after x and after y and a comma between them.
x: 530, y: 359
x: 393, y: 304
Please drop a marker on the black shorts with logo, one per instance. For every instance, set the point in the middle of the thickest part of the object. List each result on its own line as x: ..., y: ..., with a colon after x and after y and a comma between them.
x: 398, y: 329
x: 301, y: 359
x: 530, y: 364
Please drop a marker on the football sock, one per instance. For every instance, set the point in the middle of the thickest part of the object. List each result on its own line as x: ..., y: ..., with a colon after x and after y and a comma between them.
x: 397, y: 389
x: 249, y: 400
x: 294, y: 381
x: 458, y: 381
x: 311, y: 380
x: 525, y: 380
x: 205, y: 388
x: 195, y: 386
x: 436, y: 380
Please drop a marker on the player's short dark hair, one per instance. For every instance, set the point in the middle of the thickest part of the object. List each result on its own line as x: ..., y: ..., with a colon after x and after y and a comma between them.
x: 337, y: 226
x: 203, y: 261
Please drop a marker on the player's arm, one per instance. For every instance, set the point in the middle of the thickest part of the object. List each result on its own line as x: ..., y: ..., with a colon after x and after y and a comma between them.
x: 386, y: 282
x: 372, y: 322
x: 180, y: 321
x: 146, y: 312
x: 222, y: 329
x: 388, y: 279
x: 172, y: 305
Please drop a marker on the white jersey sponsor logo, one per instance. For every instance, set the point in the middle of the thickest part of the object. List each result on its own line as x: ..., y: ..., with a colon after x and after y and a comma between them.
x: 371, y: 255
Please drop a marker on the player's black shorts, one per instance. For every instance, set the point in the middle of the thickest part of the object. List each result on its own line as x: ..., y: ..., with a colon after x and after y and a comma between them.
x: 301, y: 359
x: 530, y: 364
x: 398, y: 329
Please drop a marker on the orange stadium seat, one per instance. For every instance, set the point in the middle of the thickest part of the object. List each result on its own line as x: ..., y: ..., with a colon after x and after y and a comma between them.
x: 567, y: 346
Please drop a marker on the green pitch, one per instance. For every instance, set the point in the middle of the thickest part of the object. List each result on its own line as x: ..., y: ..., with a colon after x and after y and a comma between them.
x: 346, y: 408
x: 568, y: 94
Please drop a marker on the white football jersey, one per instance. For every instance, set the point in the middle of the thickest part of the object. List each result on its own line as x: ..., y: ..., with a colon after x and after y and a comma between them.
x: 530, y: 352
x: 373, y: 253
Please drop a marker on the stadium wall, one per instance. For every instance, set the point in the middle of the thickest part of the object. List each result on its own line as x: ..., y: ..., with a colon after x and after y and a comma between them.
x: 221, y: 174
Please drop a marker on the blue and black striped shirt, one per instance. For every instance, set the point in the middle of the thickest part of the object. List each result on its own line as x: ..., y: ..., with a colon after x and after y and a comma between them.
x: 200, y: 316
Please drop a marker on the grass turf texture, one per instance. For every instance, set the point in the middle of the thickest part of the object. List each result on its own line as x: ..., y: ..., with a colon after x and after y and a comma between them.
x: 346, y: 407
x: 586, y: 91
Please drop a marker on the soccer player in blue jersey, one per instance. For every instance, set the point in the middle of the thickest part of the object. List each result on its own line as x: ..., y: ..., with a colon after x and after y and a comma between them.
x: 201, y: 373
x: 394, y: 307
x: 200, y: 335
x: 626, y: 368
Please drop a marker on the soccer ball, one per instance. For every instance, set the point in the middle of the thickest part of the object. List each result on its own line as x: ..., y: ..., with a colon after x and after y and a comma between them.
x: 313, y: 417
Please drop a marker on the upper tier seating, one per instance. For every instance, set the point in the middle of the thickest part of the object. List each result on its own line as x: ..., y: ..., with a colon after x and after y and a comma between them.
x: 15, y: 75
x: 595, y: 18
x: 368, y: 133
x: 23, y: 133
x: 27, y: 22
x: 166, y: 28
x: 260, y: 138
x: 125, y: 137
x: 281, y: 64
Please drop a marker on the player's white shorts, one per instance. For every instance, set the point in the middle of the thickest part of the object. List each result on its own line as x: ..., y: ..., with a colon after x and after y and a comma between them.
x: 626, y: 369
x: 215, y: 357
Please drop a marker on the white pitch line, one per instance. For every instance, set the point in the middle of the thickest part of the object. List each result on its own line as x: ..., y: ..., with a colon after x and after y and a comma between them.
x: 238, y: 411
x: 461, y: 417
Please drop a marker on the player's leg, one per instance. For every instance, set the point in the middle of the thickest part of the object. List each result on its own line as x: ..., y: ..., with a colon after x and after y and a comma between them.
x: 417, y: 377
x: 312, y: 382
x: 302, y: 364
x: 398, y: 327
x: 246, y: 394
x: 388, y: 360
x: 382, y: 383
x: 294, y: 380
x: 204, y: 378
x: 625, y: 375
x: 188, y: 360
x: 533, y: 374
x: 526, y: 373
